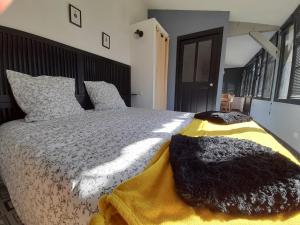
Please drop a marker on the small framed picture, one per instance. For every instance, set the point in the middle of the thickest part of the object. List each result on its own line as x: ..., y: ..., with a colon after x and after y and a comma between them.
x: 74, y: 15
x: 105, y: 40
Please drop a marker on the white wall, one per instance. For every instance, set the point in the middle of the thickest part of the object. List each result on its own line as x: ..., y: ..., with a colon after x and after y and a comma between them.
x: 280, y: 118
x: 261, y: 112
x: 50, y: 19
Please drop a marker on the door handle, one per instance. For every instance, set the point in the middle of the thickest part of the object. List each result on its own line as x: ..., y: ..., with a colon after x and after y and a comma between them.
x: 211, y: 84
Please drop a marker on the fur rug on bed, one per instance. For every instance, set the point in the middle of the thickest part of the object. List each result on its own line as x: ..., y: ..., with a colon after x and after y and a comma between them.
x: 223, y: 118
x: 234, y: 176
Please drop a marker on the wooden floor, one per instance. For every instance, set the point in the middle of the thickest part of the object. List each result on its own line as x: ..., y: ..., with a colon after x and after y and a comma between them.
x: 8, y: 215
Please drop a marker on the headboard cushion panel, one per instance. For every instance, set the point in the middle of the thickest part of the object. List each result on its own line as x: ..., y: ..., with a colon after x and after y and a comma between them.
x: 34, y: 55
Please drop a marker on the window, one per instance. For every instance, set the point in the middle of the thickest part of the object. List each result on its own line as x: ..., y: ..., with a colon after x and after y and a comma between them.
x: 248, y: 79
x: 252, y: 78
x: 286, y: 62
x: 257, y: 80
x: 265, y: 70
x: 259, y: 73
x: 242, y: 92
x: 262, y: 74
x: 248, y: 74
x: 270, y: 72
x: 260, y: 82
x: 295, y: 84
x: 288, y: 82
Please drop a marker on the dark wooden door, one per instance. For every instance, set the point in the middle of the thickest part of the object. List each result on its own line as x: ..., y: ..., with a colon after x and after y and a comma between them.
x: 198, y: 64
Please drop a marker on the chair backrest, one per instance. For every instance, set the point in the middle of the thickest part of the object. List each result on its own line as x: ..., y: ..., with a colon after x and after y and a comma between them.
x: 238, y: 103
x: 227, y: 97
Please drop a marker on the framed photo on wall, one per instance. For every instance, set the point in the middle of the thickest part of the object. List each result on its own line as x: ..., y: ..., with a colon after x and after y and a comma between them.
x: 105, y: 40
x: 75, y: 15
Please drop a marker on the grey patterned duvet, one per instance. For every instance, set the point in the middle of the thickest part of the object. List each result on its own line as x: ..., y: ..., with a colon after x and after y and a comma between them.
x: 56, y: 170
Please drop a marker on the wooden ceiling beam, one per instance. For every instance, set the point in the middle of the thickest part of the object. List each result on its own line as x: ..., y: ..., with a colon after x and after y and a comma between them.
x: 243, y: 28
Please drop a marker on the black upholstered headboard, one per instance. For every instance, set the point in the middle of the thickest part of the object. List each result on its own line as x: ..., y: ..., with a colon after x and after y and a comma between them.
x: 34, y: 55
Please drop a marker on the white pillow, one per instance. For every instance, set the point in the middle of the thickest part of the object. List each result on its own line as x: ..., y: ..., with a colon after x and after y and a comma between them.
x: 44, y: 97
x: 104, y: 96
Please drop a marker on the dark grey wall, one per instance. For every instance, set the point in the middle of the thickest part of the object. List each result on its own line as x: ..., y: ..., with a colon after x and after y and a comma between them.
x: 232, y: 80
x: 181, y: 22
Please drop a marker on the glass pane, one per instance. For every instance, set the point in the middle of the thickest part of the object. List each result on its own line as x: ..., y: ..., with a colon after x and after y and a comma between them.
x: 287, y: 63
x: 252, y: 76
x: 296, y: 85
x: 203, y: 63
x: 242, y: 92
x: 295, y: 88
x: 256, y: 86
x: 262, y: 76
x: 269, y: 77
x: 258, y: 71
x: 247, y: 81
x: 188, y: 65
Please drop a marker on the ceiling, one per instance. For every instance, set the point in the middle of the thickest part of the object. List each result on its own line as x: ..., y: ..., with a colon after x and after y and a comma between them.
x: 240, y: 49
x: 273, y: 12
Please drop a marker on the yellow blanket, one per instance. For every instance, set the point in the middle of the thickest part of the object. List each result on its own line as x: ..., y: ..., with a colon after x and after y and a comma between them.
x: 150, y: 198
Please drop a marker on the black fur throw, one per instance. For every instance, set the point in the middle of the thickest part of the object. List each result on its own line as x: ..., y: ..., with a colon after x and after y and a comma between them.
x: 223, y: 118
x: 234, y: 176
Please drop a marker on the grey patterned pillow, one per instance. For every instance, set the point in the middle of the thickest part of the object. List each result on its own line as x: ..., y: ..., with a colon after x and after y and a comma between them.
x: 104, y: 96
x: 44, y: 97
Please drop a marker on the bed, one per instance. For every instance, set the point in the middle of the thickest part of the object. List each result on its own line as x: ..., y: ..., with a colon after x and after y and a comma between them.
x: 57, y: 170
x: 50, y: 167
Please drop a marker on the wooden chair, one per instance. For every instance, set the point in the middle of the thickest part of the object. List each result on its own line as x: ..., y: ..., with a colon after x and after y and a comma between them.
x: 226, y: 102
x: 238, y: 104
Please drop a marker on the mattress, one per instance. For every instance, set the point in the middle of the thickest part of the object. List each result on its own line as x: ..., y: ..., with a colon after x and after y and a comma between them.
x: 57, y: 170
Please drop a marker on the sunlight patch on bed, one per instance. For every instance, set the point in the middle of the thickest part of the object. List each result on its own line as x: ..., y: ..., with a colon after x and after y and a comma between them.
x: 170, y: 127
x: 92, y: 180
x: 186, y: 116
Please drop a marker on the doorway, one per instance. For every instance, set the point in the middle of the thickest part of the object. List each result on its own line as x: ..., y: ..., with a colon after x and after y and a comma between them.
x: 197, y: 73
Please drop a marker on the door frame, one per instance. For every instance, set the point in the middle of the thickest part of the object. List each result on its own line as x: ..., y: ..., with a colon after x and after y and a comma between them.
x: 215, y: 62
